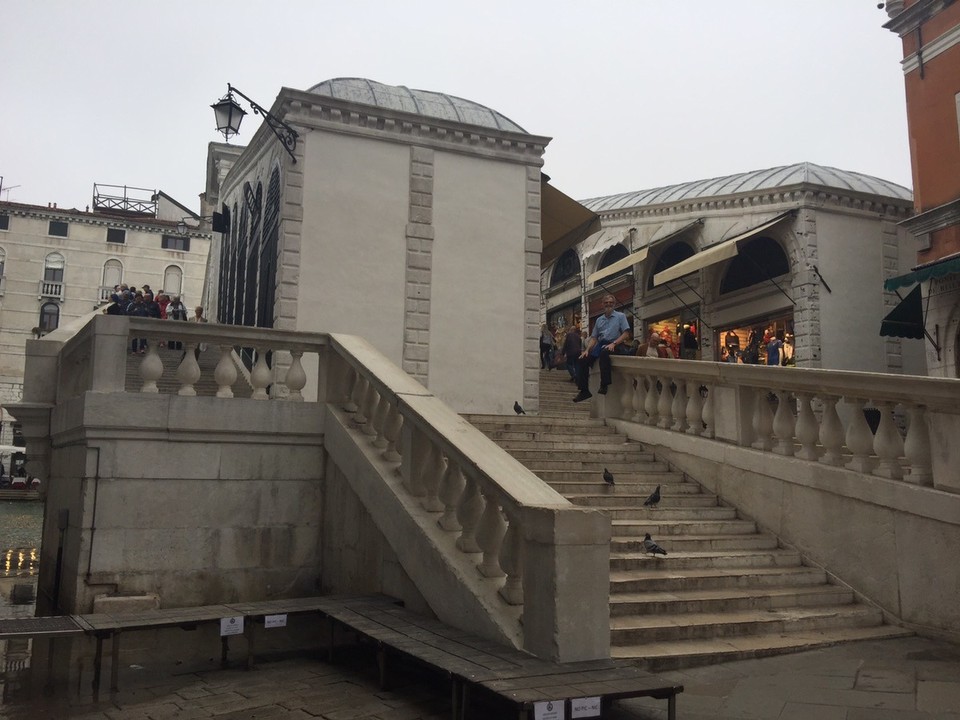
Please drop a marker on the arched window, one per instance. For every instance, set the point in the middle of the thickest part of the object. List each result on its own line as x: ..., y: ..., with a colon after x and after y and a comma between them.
x: 49, y: 317
x: 172, y: 280
x: 759, y: 260
x: 566, y: 267
x: 112, y: 275
x: 617, y: 252
x: 53, y: 267
x: 675, y: 253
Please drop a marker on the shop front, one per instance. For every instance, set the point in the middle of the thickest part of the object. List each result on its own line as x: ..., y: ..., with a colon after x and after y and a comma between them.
x: 760, y: 341
x: 679, y: 334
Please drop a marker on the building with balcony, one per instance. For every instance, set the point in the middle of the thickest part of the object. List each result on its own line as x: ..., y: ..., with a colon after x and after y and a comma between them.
x: 790, y: 249
x: 930, y: 33
x: 58, y: 264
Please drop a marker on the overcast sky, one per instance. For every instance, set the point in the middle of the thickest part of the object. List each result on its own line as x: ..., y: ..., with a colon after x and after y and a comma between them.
x: 635, y: 94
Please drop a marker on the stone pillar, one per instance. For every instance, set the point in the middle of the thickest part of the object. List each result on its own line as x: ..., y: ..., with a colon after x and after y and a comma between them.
x: 419, y: 266
x: 566, y: 583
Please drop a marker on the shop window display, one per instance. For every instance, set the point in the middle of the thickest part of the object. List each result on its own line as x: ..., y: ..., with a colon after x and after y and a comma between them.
x: 750, y: 343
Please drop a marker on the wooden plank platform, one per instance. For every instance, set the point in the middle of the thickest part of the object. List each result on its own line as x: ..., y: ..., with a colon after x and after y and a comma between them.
x: 466, y: 660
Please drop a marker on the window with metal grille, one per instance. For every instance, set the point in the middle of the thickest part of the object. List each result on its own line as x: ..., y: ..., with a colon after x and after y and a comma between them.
x: 58, y: 228
x: 116, y: 235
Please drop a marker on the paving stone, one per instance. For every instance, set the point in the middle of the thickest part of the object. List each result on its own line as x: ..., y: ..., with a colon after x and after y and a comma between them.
x: 938, y: 697
x: 806, y: 711
x: 884, y: 679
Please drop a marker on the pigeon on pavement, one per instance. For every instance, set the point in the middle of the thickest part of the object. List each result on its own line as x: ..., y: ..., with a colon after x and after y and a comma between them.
x: 654, y: 498
x: 517, y: 409
x: 650, y: 546
x: 608, y: 477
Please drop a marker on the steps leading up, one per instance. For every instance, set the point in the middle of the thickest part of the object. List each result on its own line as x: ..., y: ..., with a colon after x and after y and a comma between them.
x: 724, y: 591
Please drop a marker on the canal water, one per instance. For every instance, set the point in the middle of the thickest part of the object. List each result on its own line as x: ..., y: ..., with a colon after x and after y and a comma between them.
x: 20, y: 530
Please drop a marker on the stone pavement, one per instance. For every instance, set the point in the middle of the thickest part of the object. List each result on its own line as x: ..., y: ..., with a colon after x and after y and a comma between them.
x: 897, y: 679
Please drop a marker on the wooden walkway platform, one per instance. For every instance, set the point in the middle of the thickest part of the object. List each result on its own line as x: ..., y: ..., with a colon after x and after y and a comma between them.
x: 531, y: 686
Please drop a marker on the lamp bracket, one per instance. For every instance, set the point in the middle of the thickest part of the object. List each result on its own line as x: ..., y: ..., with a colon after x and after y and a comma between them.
x: 284, y: 133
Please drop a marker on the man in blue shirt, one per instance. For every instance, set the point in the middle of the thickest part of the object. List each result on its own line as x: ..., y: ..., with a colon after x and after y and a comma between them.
x: 610, y: 330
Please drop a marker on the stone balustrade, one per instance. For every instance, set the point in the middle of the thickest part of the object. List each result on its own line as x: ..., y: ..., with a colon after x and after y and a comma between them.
x: 814, y: 415
x: 507, y: 529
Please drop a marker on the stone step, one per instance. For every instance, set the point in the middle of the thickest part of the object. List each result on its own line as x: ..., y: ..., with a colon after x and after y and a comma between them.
x: 660, y: 657
x: 670, y: 484
x: 636, y: 629
x: 612, y: 496
x: 562, y: 434
x: 723, y: 600
x: 522, y: 421
x: 640, y: 464
x: 660, y: 514
x: 660, y: 527
x: 699, y: 543
x: 631, y: 453
x: 675, y: 561
x: 691, y: 579
x: 598, y: 446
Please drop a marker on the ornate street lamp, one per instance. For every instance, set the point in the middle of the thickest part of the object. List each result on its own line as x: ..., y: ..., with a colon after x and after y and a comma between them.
x: 229, y: 115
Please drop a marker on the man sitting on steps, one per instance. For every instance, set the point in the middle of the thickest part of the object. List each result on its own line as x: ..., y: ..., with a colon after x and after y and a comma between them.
x: 610, y: 330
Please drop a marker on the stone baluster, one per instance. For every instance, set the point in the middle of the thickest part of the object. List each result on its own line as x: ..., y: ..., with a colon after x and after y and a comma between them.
x: 394, y: 426
x: 225, y: 373
x: 694, y: 409
x: 370, y: 400
x: 784, y: 425
x: 151, y: 369
x: 709, y: 406
x: 451, y: 489
x: 888, y: 445
x: 511, y: 560
x: 296, y: 377
x: 625, y: 382
x: 679, y: 406
x: 807, y: 431
x: 260, y: 376
x: 917, y: 448
x: 351, y: 380
x: 831, y: 432
x: 359, y: 396
x: 652, y: 402
x: 490, y: 531
x: 188, y: 372
x: 434, y: 469
x: 468, y: 515
x: 380, y: 414
x: 417, y: 459
x: 859, y: 438
x: 762, y: 421
x: 664, y: 404
x: 640, y: 399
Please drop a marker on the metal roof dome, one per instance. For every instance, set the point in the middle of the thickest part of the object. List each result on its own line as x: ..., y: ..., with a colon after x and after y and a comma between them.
x: 755, y: 181
x: 418, y: 102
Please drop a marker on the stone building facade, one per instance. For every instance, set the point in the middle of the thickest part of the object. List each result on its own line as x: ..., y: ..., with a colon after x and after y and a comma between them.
x: 789, y: 249
x: 57, y: 265
x: 409, y: 217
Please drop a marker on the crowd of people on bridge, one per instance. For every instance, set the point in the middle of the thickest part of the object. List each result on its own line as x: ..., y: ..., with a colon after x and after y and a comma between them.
x: 141, y: 302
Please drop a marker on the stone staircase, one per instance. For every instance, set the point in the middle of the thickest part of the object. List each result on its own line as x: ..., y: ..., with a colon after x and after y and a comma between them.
x: 725, y: 590
x: 168, y: 384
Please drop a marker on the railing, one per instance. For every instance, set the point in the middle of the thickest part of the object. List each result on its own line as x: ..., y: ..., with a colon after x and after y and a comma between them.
x: 518, y: 532
x: 815, y: 415
x: 49, y: 289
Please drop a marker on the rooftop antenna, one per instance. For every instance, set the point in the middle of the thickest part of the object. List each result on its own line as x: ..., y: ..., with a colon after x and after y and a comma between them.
x: 7, y: 189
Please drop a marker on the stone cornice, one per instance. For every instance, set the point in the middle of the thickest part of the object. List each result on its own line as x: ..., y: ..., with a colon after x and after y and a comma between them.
x: 309, y: 110
x: 799, y: 196
x: 909, y: 19
x: 78, y: 216
x: 936, y: 219
x: 932, y: 49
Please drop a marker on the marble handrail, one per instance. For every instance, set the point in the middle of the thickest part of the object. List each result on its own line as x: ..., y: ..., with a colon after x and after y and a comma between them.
x: 815, y: 415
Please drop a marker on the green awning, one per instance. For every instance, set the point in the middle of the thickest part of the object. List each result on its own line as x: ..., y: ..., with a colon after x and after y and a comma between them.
x: 918, y: 275
x: 906, y: 319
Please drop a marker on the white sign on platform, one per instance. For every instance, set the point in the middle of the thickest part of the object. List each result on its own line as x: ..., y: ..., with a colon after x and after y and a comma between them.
x: 231, y: 626
x: 271, y: 621
x: 587, y: 707
x: 550, y: 710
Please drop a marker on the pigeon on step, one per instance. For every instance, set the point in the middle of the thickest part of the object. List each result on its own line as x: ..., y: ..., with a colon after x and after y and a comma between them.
x: 649, y: 546
x: 517, y: 409
x: 608, y: 477
x: 654, y: 498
